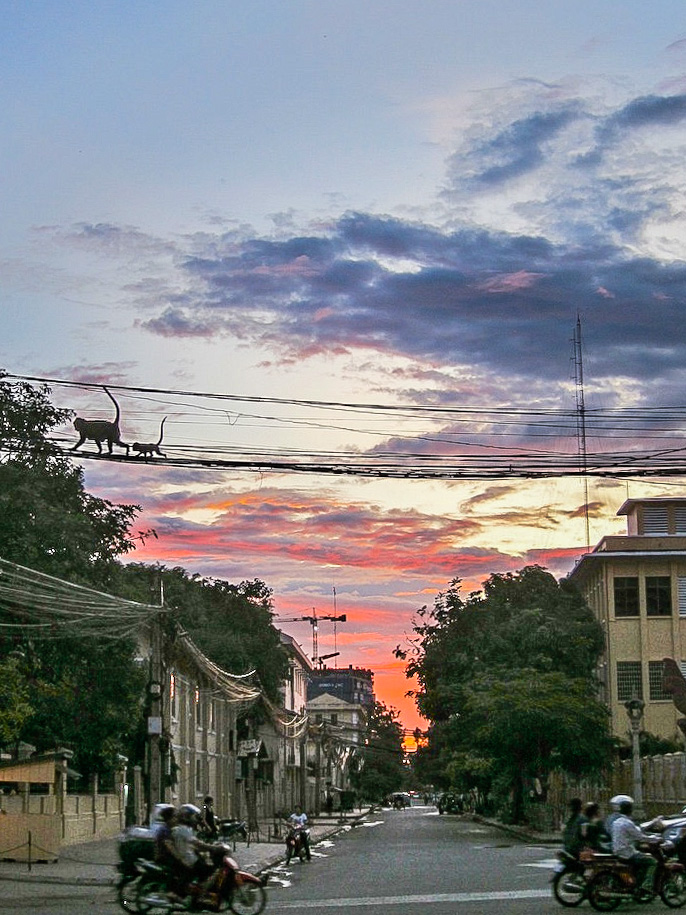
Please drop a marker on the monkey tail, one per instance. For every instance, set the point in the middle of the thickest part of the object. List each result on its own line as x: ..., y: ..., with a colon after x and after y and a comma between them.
x: 116, y: 405
x: 159, y: 440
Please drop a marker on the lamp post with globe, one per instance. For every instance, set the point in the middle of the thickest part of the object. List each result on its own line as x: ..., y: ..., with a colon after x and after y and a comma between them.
x: 634, y: 709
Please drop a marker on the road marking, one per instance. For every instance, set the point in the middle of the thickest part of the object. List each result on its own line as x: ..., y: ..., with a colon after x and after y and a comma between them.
x: 361, y: 901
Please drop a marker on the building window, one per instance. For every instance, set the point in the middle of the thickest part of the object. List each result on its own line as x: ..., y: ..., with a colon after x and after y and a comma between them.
x: 213, y: 715
x: 629, y: 682
x: 657, y: 692
x: 658, y: 595
x: 198, y: 776
x: 334, y: 718
x: 626, y: 596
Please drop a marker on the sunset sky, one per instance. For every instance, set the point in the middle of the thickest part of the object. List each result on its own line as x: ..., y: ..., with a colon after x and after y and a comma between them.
x: 337, y: 212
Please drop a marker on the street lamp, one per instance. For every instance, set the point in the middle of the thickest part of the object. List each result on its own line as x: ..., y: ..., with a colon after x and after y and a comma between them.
x: 634, y: 709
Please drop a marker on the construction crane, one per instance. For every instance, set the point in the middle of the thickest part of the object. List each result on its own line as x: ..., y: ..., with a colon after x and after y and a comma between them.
x: 314, y: 621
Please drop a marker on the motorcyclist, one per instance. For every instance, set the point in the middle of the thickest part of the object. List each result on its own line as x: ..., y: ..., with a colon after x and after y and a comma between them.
x: 298, y: 821
x: 614, y: 810
x: 166, y: 853
x: 187, y: 845
x: 625, y: 837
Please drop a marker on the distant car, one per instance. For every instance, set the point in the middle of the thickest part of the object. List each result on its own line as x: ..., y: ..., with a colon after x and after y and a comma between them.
x: 449, y: 803
x: 400, y: 800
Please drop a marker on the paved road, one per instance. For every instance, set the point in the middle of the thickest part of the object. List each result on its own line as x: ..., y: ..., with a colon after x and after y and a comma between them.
x: 406, y: 861
x: 412, y: 860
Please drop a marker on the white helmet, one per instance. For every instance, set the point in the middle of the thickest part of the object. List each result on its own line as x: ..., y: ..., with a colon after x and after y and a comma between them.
x: 189, y: 813
x: 620, y: 799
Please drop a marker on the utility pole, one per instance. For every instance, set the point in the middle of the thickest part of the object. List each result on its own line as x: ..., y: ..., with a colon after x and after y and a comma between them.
x: 155, y: 712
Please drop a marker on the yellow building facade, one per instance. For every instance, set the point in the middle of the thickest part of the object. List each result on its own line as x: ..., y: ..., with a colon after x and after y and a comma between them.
x: 636, y: 586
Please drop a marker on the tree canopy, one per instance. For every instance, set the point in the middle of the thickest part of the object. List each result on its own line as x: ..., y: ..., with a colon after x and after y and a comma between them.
x: 506, y: 678
x: 63, y: 689
x: 231, y: 624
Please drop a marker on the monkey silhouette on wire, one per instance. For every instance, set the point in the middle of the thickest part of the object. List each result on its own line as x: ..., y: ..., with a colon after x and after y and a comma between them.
x: 100, y: 430
x: 150, y: 449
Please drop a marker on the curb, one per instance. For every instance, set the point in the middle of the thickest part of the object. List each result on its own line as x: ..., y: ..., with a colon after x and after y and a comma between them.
x: 518, y: 832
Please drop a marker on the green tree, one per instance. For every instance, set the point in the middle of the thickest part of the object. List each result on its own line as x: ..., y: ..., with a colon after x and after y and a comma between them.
x: 48, y: 521
x: 15, y: 706
x: 506, y: 678
x: 76, y: 690
x: 378, y: 768
x: 231, y: 624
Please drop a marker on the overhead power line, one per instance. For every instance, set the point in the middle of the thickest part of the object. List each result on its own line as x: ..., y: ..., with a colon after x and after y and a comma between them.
x: 409, y: 441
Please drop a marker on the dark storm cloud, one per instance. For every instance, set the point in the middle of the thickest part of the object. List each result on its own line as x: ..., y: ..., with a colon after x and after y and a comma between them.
x: 503, y: 302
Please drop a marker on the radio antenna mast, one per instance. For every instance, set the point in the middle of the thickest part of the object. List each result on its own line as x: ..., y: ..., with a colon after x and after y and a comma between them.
x: 581, y: 420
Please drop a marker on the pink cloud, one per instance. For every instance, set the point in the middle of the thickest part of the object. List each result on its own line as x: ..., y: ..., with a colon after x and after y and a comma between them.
x: 511, y: 282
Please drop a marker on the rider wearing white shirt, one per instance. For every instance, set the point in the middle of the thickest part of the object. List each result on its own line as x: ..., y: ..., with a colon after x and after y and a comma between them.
x: 298, y: 820
x: 625, y: 836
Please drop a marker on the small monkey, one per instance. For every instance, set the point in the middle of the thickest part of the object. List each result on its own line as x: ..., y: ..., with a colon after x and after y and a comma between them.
x: 100, y: 430
x: 149, y: 449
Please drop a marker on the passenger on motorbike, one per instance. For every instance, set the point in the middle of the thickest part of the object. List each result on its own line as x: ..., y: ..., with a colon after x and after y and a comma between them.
x: 571, y: 834
x: 593, y: 833
x: 298, y: 820
x: 626, y: 835
x: 166, y: 852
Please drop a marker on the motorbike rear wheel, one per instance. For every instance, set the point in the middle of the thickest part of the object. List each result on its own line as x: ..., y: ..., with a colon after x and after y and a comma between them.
x: 569, y: 888
x: 248, y: 899
x: 605, y: 891
x: 673, y: 889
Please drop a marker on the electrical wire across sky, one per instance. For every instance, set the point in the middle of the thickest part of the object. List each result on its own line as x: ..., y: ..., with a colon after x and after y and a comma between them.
x: 229, y: 432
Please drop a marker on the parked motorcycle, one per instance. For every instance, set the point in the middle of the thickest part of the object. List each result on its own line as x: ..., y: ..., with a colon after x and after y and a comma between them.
x: 229, y: 888
x: 228, y: 830
x: 615, y: 882
x: 297, y: 843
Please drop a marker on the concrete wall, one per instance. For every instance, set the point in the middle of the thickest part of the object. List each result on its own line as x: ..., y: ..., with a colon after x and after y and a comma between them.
x: 32, y: 827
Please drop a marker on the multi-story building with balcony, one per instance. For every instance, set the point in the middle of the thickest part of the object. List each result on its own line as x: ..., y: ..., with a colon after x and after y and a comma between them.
x: 636, y: 586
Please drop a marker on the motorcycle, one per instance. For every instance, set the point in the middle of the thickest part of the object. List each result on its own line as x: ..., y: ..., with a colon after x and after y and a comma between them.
x: 615, y: 882
x: 297, y: 844
x: 573, y: 875
x: 229, y: 887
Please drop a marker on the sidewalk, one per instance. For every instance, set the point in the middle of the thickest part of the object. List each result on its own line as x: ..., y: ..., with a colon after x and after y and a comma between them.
x: 95, y: 863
